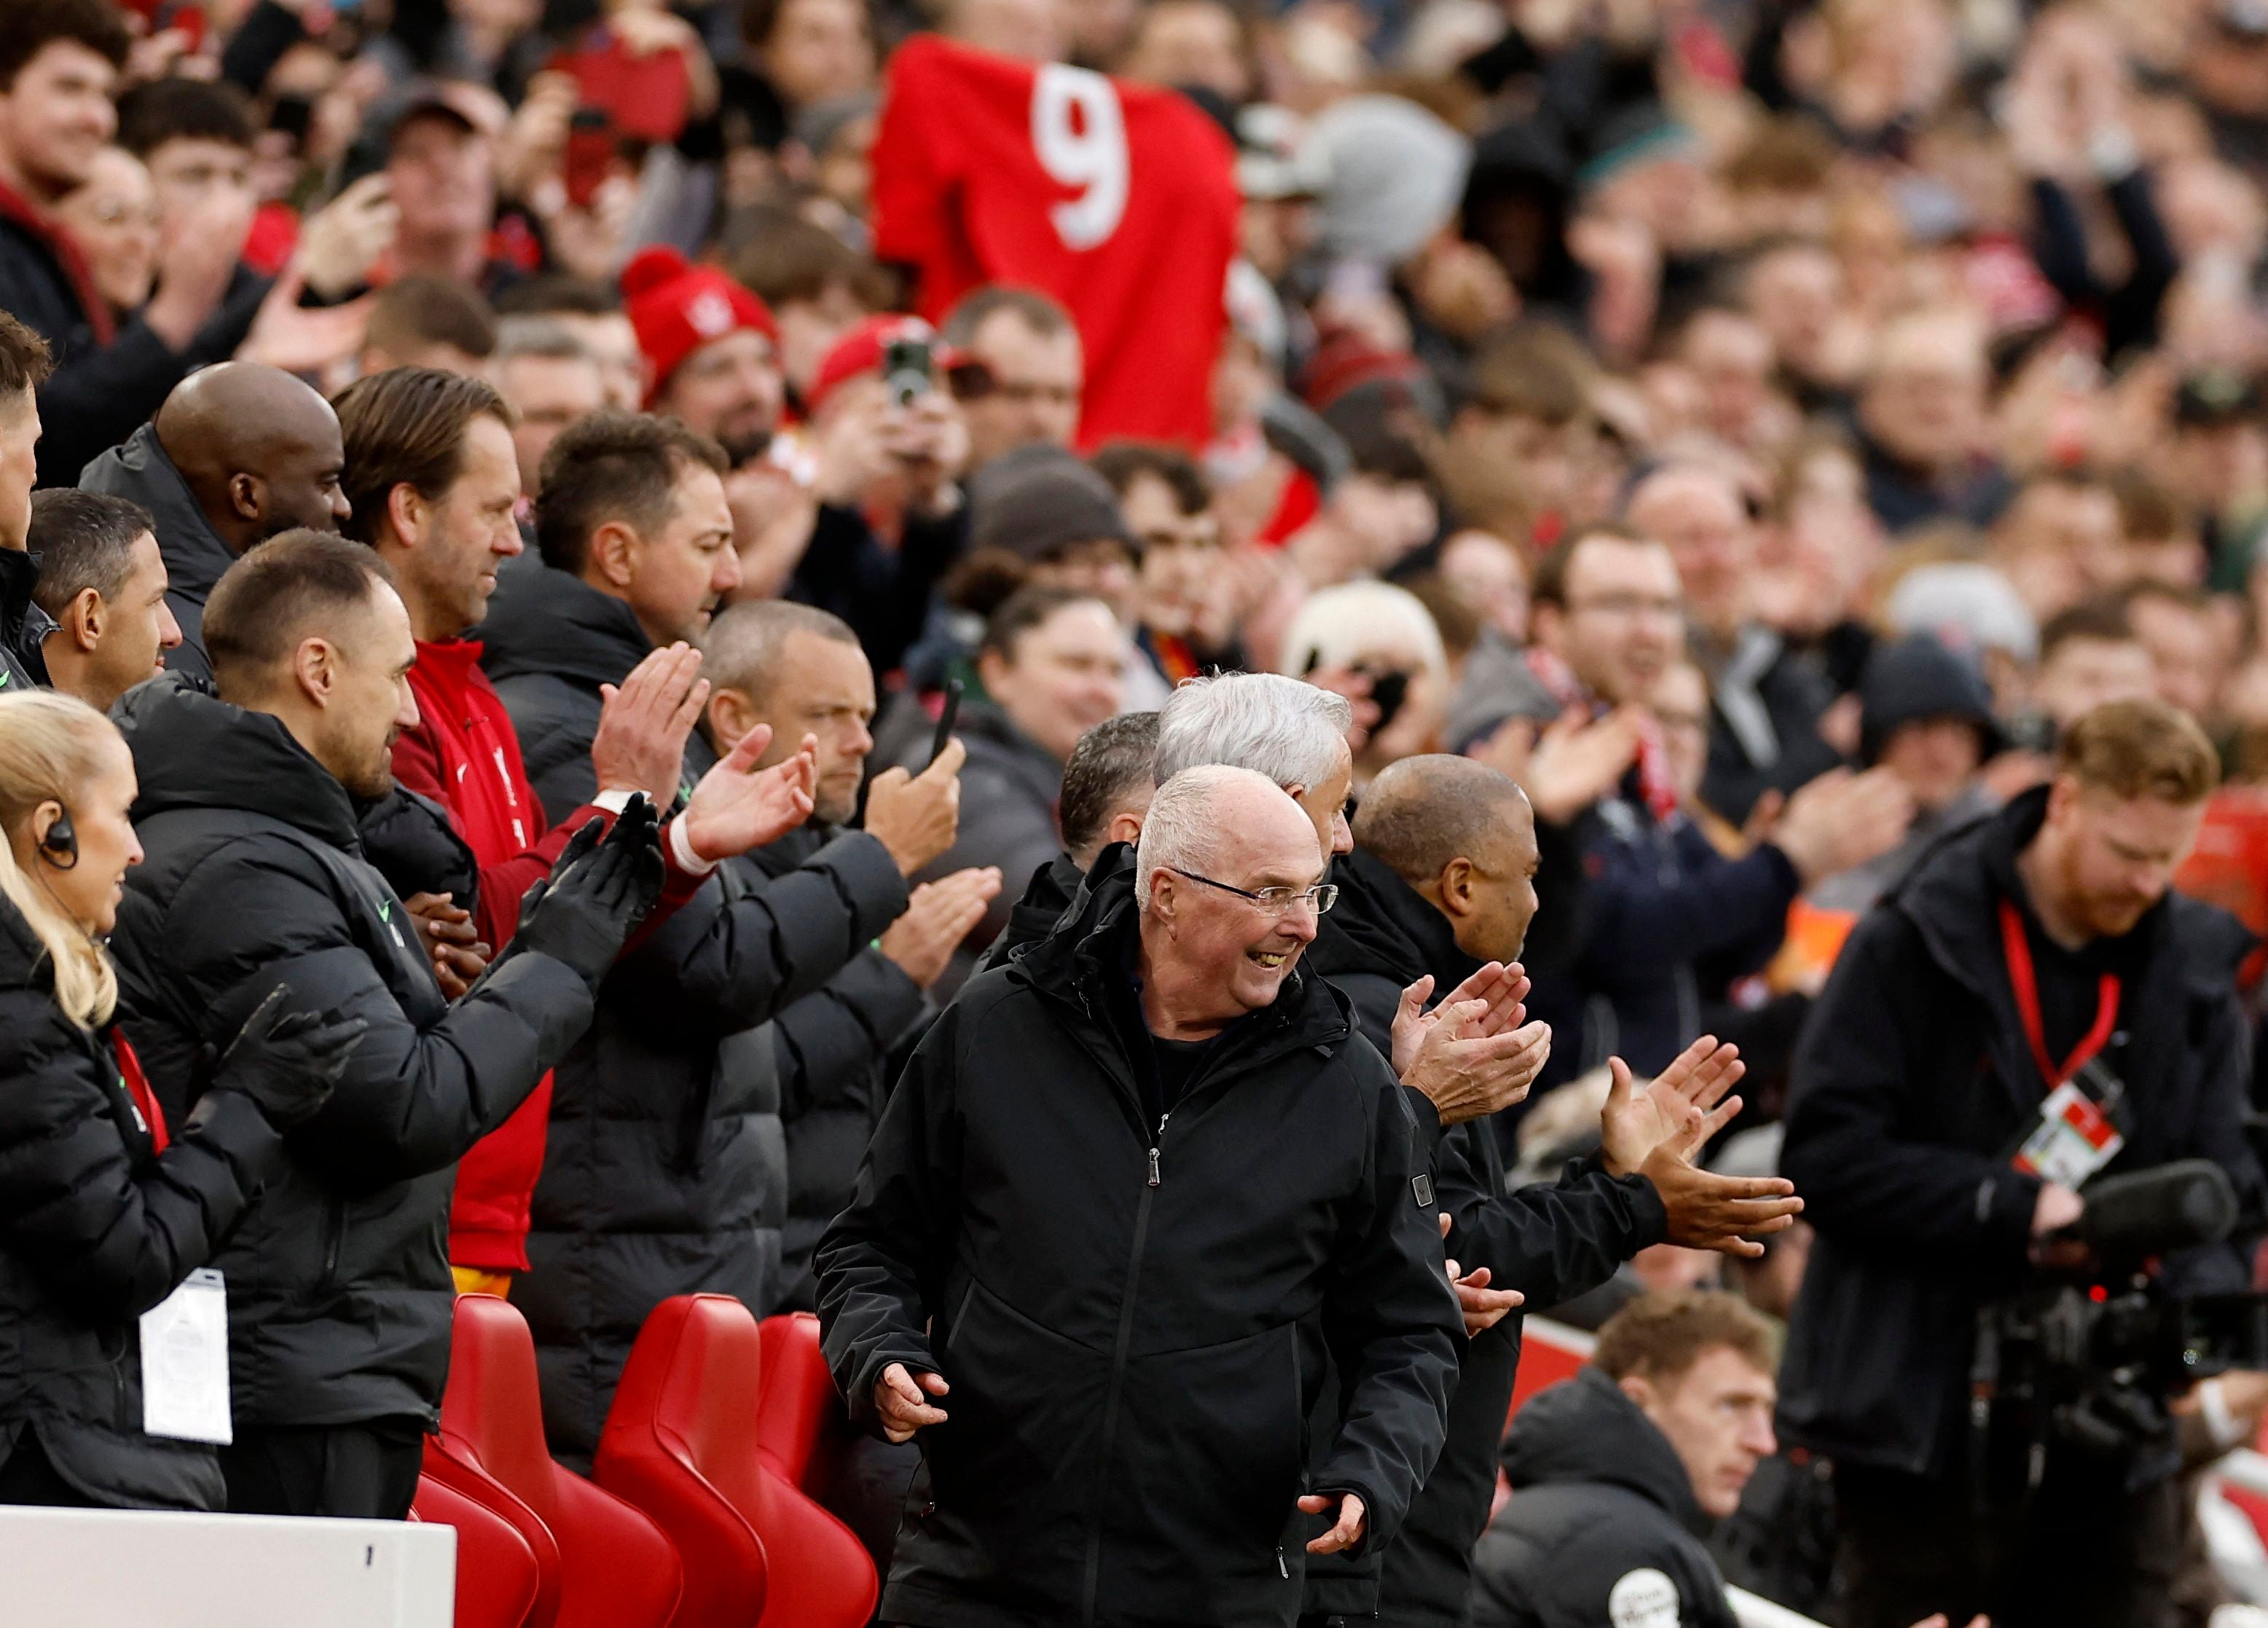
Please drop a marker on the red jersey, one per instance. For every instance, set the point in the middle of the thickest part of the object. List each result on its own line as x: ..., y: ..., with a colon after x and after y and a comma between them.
x: 1119, y: 200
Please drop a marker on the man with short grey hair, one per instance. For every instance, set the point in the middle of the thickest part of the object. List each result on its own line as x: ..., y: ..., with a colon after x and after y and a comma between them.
x: 1060, y: 1277
x: 1290, y: 731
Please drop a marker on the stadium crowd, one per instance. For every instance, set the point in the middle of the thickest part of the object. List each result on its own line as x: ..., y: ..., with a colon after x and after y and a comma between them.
x: 1173, y: 705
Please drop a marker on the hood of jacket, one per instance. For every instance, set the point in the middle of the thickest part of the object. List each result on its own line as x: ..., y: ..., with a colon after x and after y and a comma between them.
x: 193, y: 750
x: 1952, y: 891
x: 1588, y: 1432
x: 138, y: 469
x: 548, y: 622
x: 1384, y: 925
x: 1089, y: 950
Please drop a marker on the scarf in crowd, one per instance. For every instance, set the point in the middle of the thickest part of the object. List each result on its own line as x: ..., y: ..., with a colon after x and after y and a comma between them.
x: 1655, y: 783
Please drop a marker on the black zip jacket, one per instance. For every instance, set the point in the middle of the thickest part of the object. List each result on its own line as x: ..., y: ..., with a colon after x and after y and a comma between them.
x: 1913, y: 1084
x: 832, y: 1048
x: 96, y: 1227
x: 1134, y: 1315
x: 665, y: 1170
x: 194, y: 553
x: 1603, y: 1526
x: 338, y: 1283
x: 1550, y: 1243
x: 1045, y: 898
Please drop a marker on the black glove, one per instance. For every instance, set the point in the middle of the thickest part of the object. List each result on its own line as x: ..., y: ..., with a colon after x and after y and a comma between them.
x: 287, y: 1061
x: 597, y: 894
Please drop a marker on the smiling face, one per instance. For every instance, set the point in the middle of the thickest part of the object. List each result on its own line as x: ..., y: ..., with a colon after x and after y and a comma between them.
x: 56, y: 117
x: 1623, y: 624
x: 1213, y: 955
x: 114, y: 218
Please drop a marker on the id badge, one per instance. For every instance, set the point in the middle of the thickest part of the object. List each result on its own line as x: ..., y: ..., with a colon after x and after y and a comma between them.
x: 185, y: 1362
x: 2073, y: 1141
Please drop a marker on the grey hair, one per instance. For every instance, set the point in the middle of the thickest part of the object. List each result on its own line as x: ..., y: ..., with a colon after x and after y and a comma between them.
x: 1286, y: 729
x: 539, y: 337
x: 1179, y: 831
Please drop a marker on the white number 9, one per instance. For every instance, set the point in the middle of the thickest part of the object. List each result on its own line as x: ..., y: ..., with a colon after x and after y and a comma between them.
x: 1079, y: 135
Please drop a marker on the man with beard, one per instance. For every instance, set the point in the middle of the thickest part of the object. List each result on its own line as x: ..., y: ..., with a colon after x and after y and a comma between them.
x: 1441, y: 881
x: 1065, y: 1276
x: 237, y: 454
x: 669, y: 1110
x: 340, y: 1295
x: 711, y: 352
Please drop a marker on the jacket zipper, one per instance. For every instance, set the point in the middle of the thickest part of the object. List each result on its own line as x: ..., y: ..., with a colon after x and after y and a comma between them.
x: 1118, y: 1376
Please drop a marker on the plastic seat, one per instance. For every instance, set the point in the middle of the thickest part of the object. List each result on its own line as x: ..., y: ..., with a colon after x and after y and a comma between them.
x: 606, y: 1565
x: 799, y: 1418
x: 686, y: 1440
x: 498, y: 1576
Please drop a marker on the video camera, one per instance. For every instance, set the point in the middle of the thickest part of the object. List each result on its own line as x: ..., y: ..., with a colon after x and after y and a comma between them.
x: 2089, y: 1358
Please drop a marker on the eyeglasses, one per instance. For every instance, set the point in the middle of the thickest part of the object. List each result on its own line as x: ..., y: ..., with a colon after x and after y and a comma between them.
x: 1274, y: 901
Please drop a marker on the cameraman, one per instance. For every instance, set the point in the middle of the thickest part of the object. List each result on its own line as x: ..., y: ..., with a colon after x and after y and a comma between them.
x: 2022, y: 949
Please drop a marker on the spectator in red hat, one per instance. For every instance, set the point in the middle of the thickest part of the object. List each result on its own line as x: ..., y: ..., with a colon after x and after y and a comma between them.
x: 712, y: 350
x: 887, y: 455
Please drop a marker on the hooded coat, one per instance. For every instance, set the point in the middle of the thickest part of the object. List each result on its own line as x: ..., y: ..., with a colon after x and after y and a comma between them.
x: 1913, y: 1081
x: 1603, y: 1526
x: 339, y: 1290
x: 96, y: 1227
x: 1134, y: 1316
x: 194, y: 555
x: 665, y: 1170
x: 1550, y: 1243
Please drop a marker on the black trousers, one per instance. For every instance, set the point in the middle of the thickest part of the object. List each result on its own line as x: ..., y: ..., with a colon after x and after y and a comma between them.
x: 367, y: 1472
x: 28, y: 1477
x: 2082, y: 1552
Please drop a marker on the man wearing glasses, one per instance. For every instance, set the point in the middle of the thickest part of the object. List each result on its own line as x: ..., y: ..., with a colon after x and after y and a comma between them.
x: 1133, y: 1190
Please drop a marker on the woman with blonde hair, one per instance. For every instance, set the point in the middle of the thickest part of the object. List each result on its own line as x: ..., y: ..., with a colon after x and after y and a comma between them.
x: 104, y: 1210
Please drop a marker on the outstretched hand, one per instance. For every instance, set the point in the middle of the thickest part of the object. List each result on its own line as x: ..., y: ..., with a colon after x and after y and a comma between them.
x: 737, y: 807
x: 1686, y: 1099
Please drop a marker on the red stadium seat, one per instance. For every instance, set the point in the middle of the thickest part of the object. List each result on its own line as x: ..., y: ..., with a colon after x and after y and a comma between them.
x: 685, y: 1442
x: 799, y: 1418
x: 606, y: 1565
x: 498, y: 1579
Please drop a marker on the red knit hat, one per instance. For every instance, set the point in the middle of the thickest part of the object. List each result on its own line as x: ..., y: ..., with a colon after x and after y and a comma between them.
x: 677, y: 308
x: 860, y: 350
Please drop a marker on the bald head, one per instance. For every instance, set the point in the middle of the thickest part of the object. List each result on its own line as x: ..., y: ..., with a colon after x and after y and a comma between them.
x: 1461, y: 834
x: 259, y: 450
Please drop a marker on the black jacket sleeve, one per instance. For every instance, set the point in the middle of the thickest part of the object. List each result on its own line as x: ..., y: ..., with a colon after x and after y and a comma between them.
x: 412, y: 1100
x: 1715, y: 906
x: 1853, y: 1150
x: 1550, y: 1243
x: 1390, y: 1321
x: 110, y: 1239
x: 880, y: 1266
x: 729, y: 965
x: 830, y: 1038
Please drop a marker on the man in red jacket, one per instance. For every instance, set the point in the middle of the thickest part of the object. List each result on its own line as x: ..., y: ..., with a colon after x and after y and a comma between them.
x: 430, y: 457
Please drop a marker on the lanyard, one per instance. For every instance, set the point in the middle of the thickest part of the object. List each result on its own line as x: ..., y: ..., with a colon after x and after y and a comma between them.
x: 2024, y: 984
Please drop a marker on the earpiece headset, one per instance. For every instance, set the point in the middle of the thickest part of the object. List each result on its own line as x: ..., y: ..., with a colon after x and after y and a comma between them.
x: 60, y: 846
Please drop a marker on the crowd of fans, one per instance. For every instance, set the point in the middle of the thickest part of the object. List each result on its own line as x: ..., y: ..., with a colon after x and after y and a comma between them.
x: 817, y: 443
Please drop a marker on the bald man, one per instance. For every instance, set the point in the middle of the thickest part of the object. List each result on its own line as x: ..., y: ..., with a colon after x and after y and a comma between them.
x: 1767, y: 699
x: 239, y: 454
x: 1440, y: 881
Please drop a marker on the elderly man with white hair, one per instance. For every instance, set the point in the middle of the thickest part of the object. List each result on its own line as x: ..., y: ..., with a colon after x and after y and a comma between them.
x: 1135, y: 1189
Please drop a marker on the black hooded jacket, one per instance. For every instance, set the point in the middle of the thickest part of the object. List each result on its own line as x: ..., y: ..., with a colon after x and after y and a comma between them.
x: 1550, y: 1243
x: 1046, y: 897
x: 194, y: 555
x: 1602, y: 1525
x: 1913, y: 1085
x: 96, y: 1227
x: 665, y: 1170
x: 338, y: 1283
x: 1133, y: 1356
x: 24, y: 626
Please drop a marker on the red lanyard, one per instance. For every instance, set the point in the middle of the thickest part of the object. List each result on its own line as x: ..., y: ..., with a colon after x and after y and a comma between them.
x: 2024, y: 984
x: 137, y: 1086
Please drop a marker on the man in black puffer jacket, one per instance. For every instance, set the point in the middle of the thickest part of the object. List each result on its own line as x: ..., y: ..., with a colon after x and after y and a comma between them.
x: 1439, y: 882
x: 665, y: 1171
x: 339, y: 1287
x: 1617, y: 1475
x: 1131, y: 1191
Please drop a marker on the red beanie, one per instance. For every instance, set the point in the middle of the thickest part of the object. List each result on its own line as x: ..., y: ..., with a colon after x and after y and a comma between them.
x: 860, y: 350
x: 677, y: 308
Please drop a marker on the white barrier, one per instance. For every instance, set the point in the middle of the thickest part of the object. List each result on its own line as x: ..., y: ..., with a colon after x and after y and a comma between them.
x: 1756, y: 1611
x: 72, y: 1568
